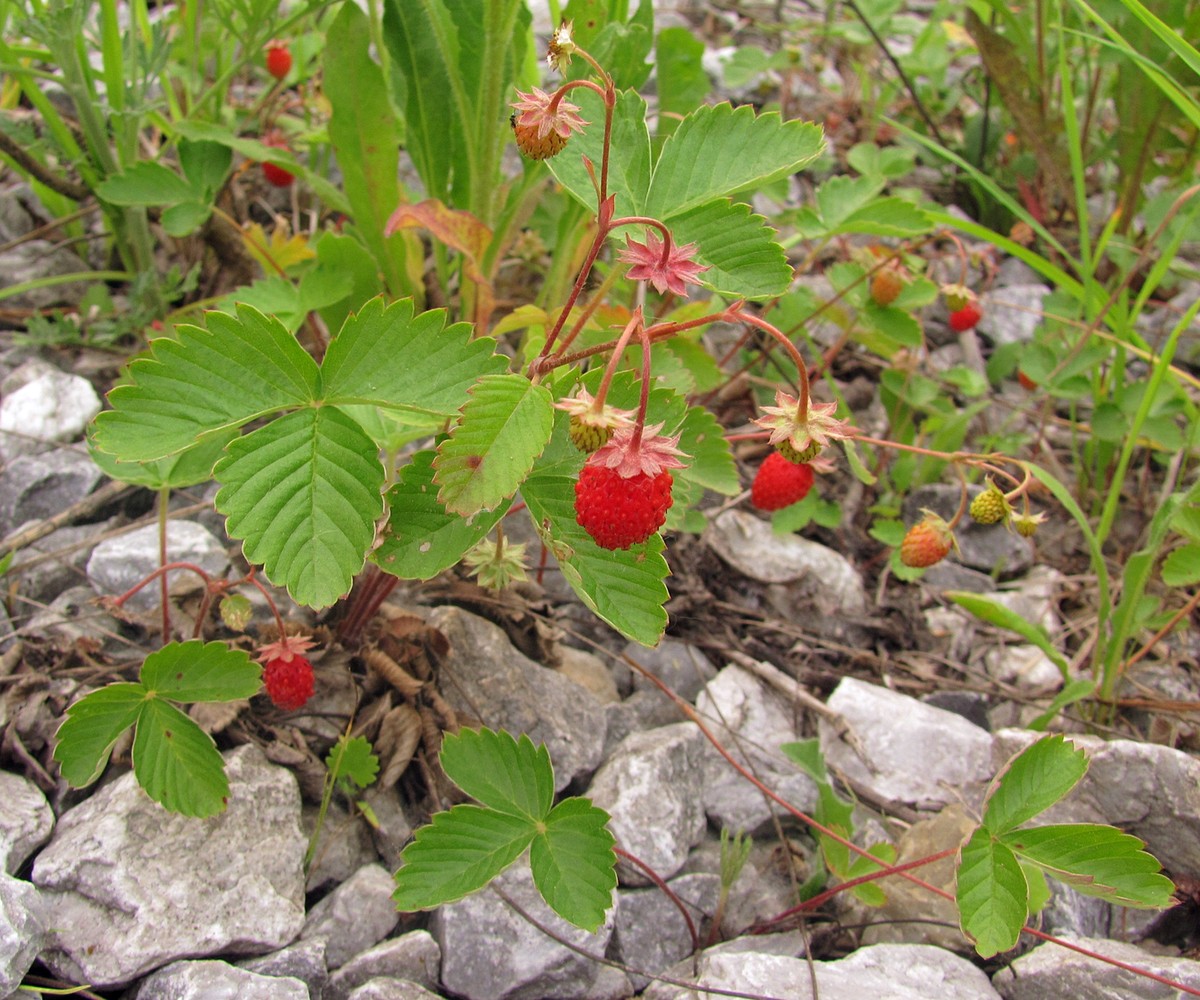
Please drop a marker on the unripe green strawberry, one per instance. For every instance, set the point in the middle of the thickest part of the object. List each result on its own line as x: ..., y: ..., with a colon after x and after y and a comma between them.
x: 928, y: 542
x: 807, y: 454
x: 957, y: 296
x: 990, y: 506
x: 1027, y: 524
x: 886, y: 285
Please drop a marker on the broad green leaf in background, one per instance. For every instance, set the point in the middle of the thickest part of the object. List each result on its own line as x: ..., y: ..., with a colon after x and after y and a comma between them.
x: 200, y: 671
x: 992, y: 894
x: 510, y: 776
x: 997, y: 614
x: 1032, y: 782
x: 502, y: 428
x: 1074, y: 690
x: 703, y: 439
x: 93, y: 724
x: 739, y: 248
x: 304, y: 492
x: 459, y: 852
x: 624, y: 588
x: 366, y: 138
x: 1097, y: 861
x: 719, y: 151
x: 146, y: 183
x: 620, y: 46
x: 205, y: 165
x: 349, y: 260
x: 806, y: 755
x: 420, y: 538
x: 389, y: 357
x: 683, y: 83
x: 351, y: 758
x: 207, y: 380
x: 187, y: 468
x: 853, y: 205
x: 629, y: 158
x: 573, y: 863
x: 1181, y: 568
x: 177, y: 763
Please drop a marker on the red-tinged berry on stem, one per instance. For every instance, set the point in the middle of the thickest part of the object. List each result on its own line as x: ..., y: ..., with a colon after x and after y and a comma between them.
x: 964, y: 319
x: 279, y: 59
x: 927, y: 543
x: 276, y: 175
x: 621, y: 511
x: 542, y: 125
x: 780, y: 483
x: 886, y: 286
x: 287, y: 673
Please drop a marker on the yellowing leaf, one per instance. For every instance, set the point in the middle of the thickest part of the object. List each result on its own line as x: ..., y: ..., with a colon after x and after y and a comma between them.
x: 278, y: 252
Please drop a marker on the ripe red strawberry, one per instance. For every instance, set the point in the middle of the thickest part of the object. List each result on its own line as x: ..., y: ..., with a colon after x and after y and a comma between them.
x: 965, y: 318
x: 886, y: 286
x: 927, y: 542
x: 289, y: 681
x: 275, y: 174
x: 279, y: 59
x: 780, y: 483
x: 619, y: 511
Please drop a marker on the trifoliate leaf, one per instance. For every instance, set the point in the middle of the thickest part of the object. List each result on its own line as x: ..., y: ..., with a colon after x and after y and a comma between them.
x: 573, y: 863
x: 93, y: 724
x: 992, y: 895
x: 352, y: 758
x: 177, y: 763
x: 200, y: 671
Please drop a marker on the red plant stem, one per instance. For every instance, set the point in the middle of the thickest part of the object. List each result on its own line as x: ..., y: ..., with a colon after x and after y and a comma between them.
x: 602, y: 221
x: 666, y: 890
x: 644, y: 395
x: 161, y: 572
x: 634, y: 323
x: 254, y: 582
x: 735, y: 315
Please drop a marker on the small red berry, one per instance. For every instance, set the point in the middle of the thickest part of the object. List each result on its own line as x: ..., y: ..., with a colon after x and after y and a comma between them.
x: 289, y: 681
x: 1028, y: 384
x: 619, y: 511
x: 274, y: 174
x: 962, y: 320
x: 279, y: 59
x: 780, y: 483
x: 927, y: 542
x: 886, y: 286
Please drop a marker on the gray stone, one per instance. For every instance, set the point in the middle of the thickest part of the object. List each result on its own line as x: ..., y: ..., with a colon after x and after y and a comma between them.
x: 971, y: 705
x: 485, y: 673
x: 1148, y: 790
x: 1049, y: 972
x: 34, y: 259
x: 345, y: 845
x: 642, y: 710
x: 751, y: 721
x: 1074, y: 914
x: 53, y: 408
x: 304, y: 960
x: 679, y: 665
x: 414, y: 957
x: 1035, y: 597
x: 817, y: 576
x: 51, y: 565
x: 391, y: 989
x: 22, y: 931
x: 356, y: 915
x: 210, y: 980
x: 652, y: 788
x: 1024, y: 667
x: 589, y: 672
x: 25, y: 821
x: 986, y: 547
x: 74, y: 617
x: 36, y: 487
x: 129, y: 886
x: 1011, y: 314
x: 894, y: 971
x: 491, y: 952
x: 763, y: 889
x: 913, y: 754
x: 394, y: 831
x: 119, y: 563
x: 650, y: 932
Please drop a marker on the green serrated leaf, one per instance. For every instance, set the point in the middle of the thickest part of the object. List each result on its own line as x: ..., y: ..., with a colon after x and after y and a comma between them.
x: 508, y: 775
x: 207, y: 381
x: 624, y: 588
x: 420, y: 538
x: 205, y: 164
x: 995, y: 613
x: 146, y: 183
x: 991, y: 893
x: 683, y: 83
x: 838, y: 198
x: 1039, y: 891
x: 738, y: 247
x: 389, y: 357
x: 177, y: 763
x: 1095, y: 860
x: 352, y: 758
x: 717, y: 151
x: 93, y: 724
x: 1073, y: 691
x: 898, y: 325
x: 806, y: 755
x: 703, y: 439
x: 460, y: 851
x: 502, y: 429
x: 1032, y: 782
x: 304, y: 493
x: 200, y: 671
x: 185, y: 218
x: 889, y: 216
x: 861, y: 472
x: 189, y: 467
x: 1181, y: 568
x: 573, y: 863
